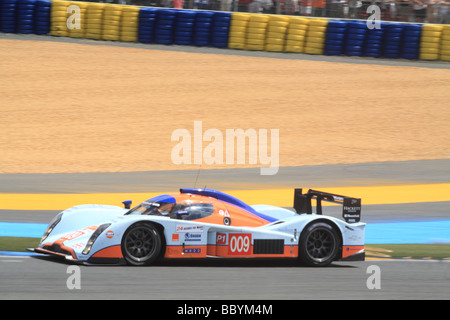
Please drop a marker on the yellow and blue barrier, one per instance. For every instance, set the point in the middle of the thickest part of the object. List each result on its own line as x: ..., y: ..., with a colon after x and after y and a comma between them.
x: 244, y: 31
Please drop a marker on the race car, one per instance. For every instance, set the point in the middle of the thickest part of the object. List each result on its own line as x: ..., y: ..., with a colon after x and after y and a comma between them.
x: 200, y: 223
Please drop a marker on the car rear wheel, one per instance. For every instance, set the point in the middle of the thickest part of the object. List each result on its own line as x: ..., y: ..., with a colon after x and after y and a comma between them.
x: 141, y: 244
x: 319, y: 245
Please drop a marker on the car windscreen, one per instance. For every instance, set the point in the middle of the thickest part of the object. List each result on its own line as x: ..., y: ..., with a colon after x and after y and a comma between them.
x: 152, y: 208
x: 194, y: 211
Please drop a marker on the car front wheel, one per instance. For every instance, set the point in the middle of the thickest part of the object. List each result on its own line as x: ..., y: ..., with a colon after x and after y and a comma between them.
x: 141, y: 244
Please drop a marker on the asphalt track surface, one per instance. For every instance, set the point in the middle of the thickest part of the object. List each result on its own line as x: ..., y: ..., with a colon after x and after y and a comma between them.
x: 218, y: 279
x: 221, y: 279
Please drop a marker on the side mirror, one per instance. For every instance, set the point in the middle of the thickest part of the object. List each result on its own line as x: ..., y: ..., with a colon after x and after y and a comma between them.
x: 127, y: 204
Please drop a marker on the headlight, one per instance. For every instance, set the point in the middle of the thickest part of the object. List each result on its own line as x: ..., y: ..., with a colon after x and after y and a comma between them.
x: 51, y: 226
x: 94, y: 237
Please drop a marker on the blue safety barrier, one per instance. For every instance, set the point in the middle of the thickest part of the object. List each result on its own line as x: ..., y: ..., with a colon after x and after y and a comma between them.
x: 410, y: 43
x: 393, y: 40
x: 374, y: 42
x: 335, y: 38
x: 147, y: 19
x: 184, y: 27
x: 8, y: 12
x: 220, y: 29
x: 165, y: 26
x: 42, y: 17
x: 202, y: 28
x: 356, y: 35
x: 25, y: 16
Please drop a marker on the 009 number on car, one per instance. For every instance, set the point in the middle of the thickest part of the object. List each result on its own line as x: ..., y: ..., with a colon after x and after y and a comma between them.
x: 239, y: 244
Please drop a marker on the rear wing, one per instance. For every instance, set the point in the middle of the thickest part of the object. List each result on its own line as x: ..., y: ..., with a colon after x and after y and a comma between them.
x: 351, y: 211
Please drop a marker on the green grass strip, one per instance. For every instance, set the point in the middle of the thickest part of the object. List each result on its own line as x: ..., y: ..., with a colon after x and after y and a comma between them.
x: 417, y: 251
x: 18, y: 244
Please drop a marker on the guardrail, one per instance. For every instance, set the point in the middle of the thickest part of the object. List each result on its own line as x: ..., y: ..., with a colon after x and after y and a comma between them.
x: 244, y: 31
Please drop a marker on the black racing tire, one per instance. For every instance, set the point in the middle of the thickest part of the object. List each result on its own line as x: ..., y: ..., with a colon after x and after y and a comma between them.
x: 141, y: 244
x: 319, y: 245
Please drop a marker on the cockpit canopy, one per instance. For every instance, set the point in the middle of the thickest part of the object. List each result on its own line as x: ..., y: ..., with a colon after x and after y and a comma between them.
x: 166, y: 205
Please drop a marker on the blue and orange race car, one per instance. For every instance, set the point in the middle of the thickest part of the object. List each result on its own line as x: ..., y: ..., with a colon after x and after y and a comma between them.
x: 200, y: 223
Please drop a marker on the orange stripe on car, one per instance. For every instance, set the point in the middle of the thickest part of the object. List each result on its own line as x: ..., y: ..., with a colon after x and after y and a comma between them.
x: 110, y: 252
x: 348, y: 251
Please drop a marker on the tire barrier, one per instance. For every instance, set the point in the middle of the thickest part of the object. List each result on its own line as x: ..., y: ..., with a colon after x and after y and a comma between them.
x: 276, y: 33
x: 296, y: 35
x: 430, y: 41
x: 94, y: 20
x: 315, y: 36
x: 335, y: 38
x: 244, y: 31
x: 356, y: 36
x: 112, y: 16
x: 256, y: 32
x: 238, y: 29
x: 392, y: 40
x: 42, y: 17
x: 58, y: 19
x: 77, y: 24
x: 8, y: 10
x: 202, y: 28
x: 164, y: 27
x: 220, y: 29
x: 147, y: 18
x: 25, y: 16
x: 129, y: 24
x: 445, y: 44
x: 410, y: 46
x: 184, y: 28
x: 374, y: 42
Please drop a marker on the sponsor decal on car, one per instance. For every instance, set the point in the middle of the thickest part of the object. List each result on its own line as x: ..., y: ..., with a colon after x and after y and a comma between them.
x: 188, y: 228
x: 192, y: 236
x: 110, y: 234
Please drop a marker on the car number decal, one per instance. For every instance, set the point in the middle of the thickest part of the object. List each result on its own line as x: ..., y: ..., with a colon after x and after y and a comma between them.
x: 239, y: 244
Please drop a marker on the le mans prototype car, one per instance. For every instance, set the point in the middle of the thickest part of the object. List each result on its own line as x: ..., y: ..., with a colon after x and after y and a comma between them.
x: 200, y: 223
